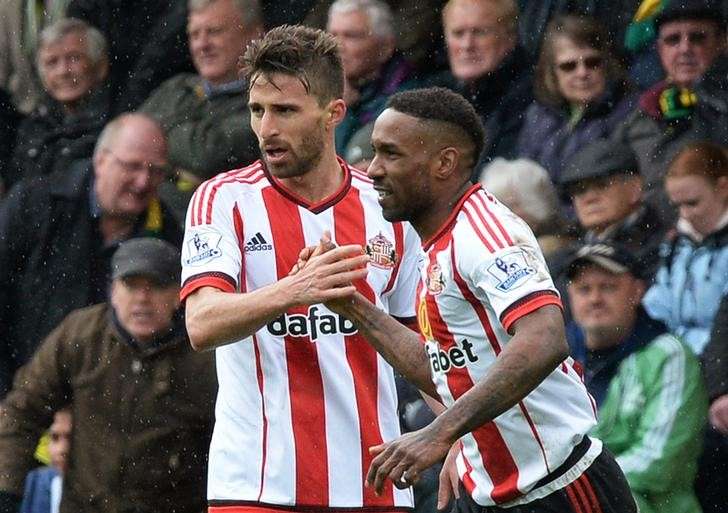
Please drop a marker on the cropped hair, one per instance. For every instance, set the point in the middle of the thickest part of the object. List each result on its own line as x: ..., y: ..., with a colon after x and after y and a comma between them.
x: 113, y: 128
x: 379, y: 14
x: 311, y: 55
x: 443, y: 105
x: 250, y: 10
x: 506, y: 10
x: 704, y: 159
x: 527, y: 184
x: 582, y: 31
x: 96, y: 45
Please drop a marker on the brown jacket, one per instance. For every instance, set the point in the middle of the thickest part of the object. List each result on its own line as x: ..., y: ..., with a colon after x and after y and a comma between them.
x: 142, y: 418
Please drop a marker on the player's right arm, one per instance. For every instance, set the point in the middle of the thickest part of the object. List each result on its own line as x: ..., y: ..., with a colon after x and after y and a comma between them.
x: 216, y: 317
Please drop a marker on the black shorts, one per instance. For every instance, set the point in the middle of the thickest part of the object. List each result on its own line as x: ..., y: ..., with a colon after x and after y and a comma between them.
x: 602, y: 488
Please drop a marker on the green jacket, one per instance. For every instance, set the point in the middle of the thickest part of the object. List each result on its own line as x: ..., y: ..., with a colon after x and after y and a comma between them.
x: 652, y: 420
x: 207, y: 133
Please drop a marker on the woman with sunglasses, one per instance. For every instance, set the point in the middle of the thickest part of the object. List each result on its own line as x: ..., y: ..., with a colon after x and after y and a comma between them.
x: 581, y: 93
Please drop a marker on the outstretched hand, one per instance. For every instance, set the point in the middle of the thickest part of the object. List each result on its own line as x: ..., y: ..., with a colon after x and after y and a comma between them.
x: 309, y: 252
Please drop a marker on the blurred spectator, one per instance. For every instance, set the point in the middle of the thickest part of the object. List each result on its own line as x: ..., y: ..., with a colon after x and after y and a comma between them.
x: 205, y: 116
x: 20, y: 24
x: 712, y: 482
x: 373, y: 71
x: 9, y: 120
x: 141, y: 398
x: 73, y: 66
x: 58, y: 232
x: 605, y: 186
x: 690, y: 39
x: 581, y: 93
x: 489, y: 68
x: 693, y: 275
x: 147, y: 44
x: 651, y: 397
x: 525, y: 187
x: 42, y: 493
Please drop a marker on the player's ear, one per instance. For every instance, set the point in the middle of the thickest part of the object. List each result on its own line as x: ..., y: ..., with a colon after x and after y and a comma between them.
x: 336, y: 112
x: 447, y: 162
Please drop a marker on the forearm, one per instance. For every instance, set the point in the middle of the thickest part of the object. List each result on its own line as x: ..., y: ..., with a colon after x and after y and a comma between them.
x: 216, y: 318
x: 528, y: 358
x: 399, y: 345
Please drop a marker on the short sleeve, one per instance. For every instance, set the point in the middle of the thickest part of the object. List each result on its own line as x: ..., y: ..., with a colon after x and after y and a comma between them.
x: 514, y: 279
x: 403, y: 297
x: 211, y: 253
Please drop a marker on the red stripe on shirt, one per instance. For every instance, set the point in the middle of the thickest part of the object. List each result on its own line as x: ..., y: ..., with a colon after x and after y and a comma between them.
x: 399, y: 251
x: 240, y: 235
x: 496, y: 456
x: 305, y: 383
x: 261, y: 389
x: 252, y: 177
x: 219, y: 281
x: 477, y: 231
x: 202, y: 192
x: 528, y: 304
x: 484, y: 203
x: 349, y: 228
x: 472, y: 206
x: 573, y: 499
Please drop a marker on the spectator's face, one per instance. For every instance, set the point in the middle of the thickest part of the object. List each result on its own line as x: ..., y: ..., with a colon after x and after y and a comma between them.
x: 130, y: 169
x: 67, y: 72
x: 401, y: 167
x: 687, y: 49
x: 601, y: 202
x: 477, y: 41
x: 604, y: 303
x: 144, y: 308
x: 699, y: 201
x: 362, y: 52
x: 60, y: 440
x: 579, y: 71
x: 217, y: 38
x: 292, y: 128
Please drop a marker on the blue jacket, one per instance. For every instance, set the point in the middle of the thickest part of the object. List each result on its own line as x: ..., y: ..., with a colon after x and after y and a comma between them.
x: 689, y: 286
x: 37, y: 494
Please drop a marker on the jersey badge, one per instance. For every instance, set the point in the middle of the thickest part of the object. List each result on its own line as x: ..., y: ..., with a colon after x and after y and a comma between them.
x: 511, y: 270
x: 203, y: 246
x: 381, y: 252
x: 434, y: 280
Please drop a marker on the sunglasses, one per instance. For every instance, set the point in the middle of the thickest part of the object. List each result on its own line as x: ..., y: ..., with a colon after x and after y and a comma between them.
x: 590, y: 63
x: 694, y: 38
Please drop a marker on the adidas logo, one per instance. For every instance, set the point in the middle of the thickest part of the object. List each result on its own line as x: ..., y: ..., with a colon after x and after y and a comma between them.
x: 258, y: 243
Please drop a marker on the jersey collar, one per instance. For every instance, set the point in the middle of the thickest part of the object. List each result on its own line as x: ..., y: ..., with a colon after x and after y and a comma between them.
x: 450, y: 221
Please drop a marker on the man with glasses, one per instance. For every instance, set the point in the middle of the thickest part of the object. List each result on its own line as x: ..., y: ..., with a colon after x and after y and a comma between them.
x: 605, y: 186
x: 682, y: 108
x: 58, y: 232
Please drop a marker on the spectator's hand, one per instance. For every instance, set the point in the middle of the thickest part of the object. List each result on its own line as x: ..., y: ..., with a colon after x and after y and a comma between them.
x: 449, y: 480
x: 403, y: 460
x: 718, y: 414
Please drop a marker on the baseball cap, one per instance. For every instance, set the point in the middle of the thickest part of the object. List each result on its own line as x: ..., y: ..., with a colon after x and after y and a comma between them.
x: 689, y: 10
x: 610, y: 257
x: 599, y: 159
x: 145, y: 256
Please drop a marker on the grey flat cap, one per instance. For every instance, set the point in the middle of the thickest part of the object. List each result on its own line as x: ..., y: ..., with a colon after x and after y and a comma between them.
x: 600, y: 158
x: 148, y: 257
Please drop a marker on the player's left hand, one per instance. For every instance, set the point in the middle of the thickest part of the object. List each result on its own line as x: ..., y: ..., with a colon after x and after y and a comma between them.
x: 403, y: 460
x: 309, y: 252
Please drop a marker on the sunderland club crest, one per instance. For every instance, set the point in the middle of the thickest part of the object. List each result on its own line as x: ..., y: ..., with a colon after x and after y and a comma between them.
x: 381, y: 252
x: 435, y: 281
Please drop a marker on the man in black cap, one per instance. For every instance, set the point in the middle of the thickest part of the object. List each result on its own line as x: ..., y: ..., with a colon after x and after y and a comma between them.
x: 140, y: 397
x: 605, y: 186
x: 646, y: 383
x: 691, y: 104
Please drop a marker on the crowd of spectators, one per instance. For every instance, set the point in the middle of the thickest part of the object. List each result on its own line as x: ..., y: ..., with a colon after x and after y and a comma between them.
x: 606, y: 131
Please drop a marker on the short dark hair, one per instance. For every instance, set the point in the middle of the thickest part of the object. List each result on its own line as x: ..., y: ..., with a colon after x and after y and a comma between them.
x: 311, y: 55
x: 445, y: 106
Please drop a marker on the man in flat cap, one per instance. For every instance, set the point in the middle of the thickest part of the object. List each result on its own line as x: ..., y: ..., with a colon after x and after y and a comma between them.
x: 646, y: 383
x: 140, y: 397
x: 605, y: 186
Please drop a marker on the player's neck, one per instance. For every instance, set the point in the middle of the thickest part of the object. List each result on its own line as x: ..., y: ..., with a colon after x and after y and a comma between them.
x: 319, y: 183
x: 432, y: 219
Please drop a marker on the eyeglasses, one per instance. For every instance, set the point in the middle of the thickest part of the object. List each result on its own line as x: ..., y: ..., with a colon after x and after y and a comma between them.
x: 156, y: 173
x: 697, y: 38
x: 590, y: 63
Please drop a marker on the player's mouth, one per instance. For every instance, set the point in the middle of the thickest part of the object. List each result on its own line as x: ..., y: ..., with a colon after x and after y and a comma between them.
x: 274, y: 154
x: 382, y: 194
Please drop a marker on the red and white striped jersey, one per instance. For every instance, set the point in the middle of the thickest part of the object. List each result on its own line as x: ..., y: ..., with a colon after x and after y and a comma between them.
x: 483, y: 271
x: 302, y: 400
